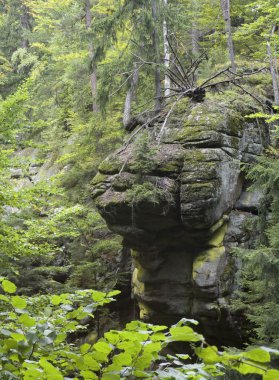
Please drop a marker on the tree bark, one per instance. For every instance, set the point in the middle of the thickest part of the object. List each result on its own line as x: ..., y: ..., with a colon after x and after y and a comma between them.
x: 26, y: 26
x: 127, y: 114
x: 273, y: 68
x: 166, y: 52
x: 195, y: 34
x: 225, y: 5
x: 156, y: 47
x: 93, y: 69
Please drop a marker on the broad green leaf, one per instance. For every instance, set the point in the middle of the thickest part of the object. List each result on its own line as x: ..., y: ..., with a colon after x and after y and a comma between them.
x: 185, y: 334
x: 10, y: 343
x: 103, y: 347
x: 98, y: 296
x: 51, y: 372
x: 26, y: 320
x: 56, y: 300
x: 84, y: 348
x: 152, y: 347
x: 112, y: 337
x: 60, y: 338
x: 271, y: 374
x: 19, y: 302
x: 4, y: 298
x: 100, y: 357
x: 258, y: 355
x: 144, y: 361
x: 90, y: 362
x: 110, y: 376
x: 88, y: 375
x: 209, y: 354
x: 247, y: 368
x: 122, y: 360
x: 158, y: 337
x: 18, y: 337
x: 8, y: 286
x: 141, y: 374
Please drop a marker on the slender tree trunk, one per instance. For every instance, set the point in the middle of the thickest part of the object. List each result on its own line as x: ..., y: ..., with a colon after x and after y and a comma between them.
x: 127, y: 114
x: 26, y: 26
x: 225, y: 5
x: 93, y: 69
x: 156, y: 47
x: 195, y: 34
x: 273, y: 68
x: 166, y: 52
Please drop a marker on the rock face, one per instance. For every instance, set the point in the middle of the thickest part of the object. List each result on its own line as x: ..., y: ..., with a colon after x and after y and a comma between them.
x: 178, y: 197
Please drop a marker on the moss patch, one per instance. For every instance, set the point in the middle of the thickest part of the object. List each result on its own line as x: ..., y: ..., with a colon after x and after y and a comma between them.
x: 111, y: 165
x: 218, y: 238
x: 99, y: 178
x: 211, y: 255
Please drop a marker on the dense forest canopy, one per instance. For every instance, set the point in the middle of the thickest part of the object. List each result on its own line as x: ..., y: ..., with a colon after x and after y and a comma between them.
x: 78, y: 79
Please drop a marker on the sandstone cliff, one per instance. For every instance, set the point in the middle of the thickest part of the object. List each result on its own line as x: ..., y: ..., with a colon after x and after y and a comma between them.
x: 177, y: 195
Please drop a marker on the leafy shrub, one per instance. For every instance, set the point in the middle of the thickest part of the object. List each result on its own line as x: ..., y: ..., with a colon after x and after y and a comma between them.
x: 35, y: 344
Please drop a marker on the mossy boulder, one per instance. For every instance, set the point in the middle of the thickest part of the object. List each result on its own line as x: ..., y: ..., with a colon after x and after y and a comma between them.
x: 172, y: 194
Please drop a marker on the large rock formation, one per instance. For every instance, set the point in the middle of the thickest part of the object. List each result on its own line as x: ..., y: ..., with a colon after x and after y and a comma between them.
x: 178, y: 197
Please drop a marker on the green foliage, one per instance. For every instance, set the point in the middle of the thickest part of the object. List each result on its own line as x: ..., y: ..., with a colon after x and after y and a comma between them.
x: 35, y: 344
x: 259, y: 294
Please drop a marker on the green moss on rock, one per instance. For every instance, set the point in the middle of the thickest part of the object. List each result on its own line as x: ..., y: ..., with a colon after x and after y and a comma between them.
x: 111, y: 165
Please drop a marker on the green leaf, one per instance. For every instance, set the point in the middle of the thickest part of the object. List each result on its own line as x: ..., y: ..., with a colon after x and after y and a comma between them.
x: 88, y: 375
x: 113, y: 293
x: 51, y: 372
x: 4, y: 298
x: 110, y: 376
x: 271, y: 374
x: 144, y: 361
x: 18, y: 337
x: 98, y: 296
x: 247, y: 368
x: 56, y: 300
x: 185, y: 334
x: 258, y: 355
x: 8, y: 286
x: 112, y: 337
x: 122, y: 360
x: 84, y: 348
x: 103, y: 347
x: 158, y: 337
x: 141, y: 374
x: 90, y: 362
x: 209, y: 354
x: 26, y: 320
x: 19, y: 302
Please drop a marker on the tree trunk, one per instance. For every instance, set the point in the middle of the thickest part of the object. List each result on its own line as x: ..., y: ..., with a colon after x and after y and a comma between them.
x: 127, y: 114
x: 93, y: 70
x: 166, y: 52
x: 156, y: 47
x: 26, y: 26
x: 225, y: 5
x: 273, y: 68
x: 195, y: 34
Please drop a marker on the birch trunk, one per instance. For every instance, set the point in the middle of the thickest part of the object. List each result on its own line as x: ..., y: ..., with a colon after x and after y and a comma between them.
x: 127, y: 114
x: 156, y: 47
x: 225, y: 5
x: 93, y: 73
x: 273, y: 68
x: 166, y: 52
